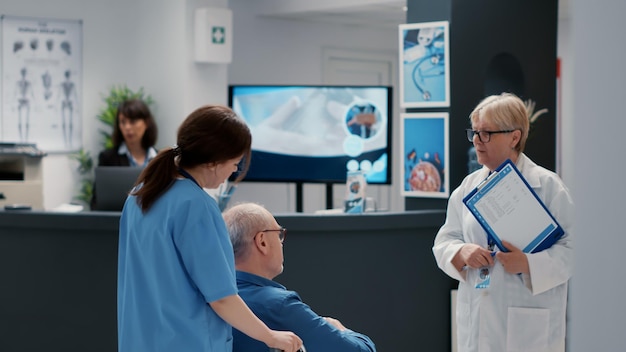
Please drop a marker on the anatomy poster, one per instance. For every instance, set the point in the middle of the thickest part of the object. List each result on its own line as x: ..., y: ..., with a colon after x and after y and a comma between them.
x: 425, y: 155
x: 424, y: 65
x: 41, y: 67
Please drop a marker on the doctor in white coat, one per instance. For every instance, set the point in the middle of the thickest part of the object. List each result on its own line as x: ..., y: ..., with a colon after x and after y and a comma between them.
x: 507, y: 301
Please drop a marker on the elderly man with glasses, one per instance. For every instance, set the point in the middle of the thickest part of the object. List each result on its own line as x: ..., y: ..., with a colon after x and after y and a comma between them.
x: 258, y: 245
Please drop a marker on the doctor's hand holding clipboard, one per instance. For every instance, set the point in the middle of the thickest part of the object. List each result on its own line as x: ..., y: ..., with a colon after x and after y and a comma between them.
x: 507, y: 207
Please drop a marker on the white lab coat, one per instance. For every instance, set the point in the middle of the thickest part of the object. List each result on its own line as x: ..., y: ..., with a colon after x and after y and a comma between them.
x: 517, y: 312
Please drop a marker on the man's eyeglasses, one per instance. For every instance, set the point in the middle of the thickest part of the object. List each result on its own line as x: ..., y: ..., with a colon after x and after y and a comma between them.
x: 282, y: 233
x: 483, y: 136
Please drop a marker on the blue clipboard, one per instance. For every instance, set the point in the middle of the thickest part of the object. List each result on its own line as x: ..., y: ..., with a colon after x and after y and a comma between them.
x: 507, y: 208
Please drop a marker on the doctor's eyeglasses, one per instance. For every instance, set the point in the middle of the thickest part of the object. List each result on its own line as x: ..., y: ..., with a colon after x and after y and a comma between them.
x: 483, y: 136
x: 282, y: 233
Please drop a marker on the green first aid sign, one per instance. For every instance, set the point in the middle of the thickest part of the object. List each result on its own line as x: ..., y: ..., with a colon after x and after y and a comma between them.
x: 218, y: 35
x: 213, y: 35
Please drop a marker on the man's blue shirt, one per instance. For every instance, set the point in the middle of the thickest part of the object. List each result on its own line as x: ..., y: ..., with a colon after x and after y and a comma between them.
x: 281, y: 309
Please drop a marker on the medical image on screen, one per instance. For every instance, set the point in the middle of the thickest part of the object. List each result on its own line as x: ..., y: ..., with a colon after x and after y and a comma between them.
x: 317, y: 133
x: 363, y: 120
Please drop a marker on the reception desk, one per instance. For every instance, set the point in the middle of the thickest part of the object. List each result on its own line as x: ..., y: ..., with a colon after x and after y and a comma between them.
x: 374, y: 272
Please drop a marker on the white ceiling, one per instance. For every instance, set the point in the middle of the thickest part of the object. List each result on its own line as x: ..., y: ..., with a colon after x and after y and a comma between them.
x: 385, y: 13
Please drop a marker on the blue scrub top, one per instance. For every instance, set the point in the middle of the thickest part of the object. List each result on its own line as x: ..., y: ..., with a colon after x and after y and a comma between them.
x: 172, y: 261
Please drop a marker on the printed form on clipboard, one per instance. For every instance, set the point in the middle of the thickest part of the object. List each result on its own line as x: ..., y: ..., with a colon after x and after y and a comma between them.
x: 508, y: 209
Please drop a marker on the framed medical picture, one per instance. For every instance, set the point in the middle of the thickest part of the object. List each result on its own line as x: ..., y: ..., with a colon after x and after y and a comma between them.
x: 425, y: 155
x: 41, y: 76
x: 424, y: 65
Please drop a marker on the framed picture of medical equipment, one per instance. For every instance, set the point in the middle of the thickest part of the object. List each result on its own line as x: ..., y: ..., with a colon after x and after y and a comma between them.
x: 425, y: 157
x: 424, y: 65
x: 41, y: 76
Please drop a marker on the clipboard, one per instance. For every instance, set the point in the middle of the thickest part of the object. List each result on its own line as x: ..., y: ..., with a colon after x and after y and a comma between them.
x: 507, y: 208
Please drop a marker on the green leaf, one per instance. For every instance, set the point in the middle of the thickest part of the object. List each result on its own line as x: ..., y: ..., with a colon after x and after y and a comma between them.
x: 85, y: 161
x: 86, y: 192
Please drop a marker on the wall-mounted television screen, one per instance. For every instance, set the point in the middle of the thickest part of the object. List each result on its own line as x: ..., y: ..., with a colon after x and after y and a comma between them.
x: 316, y: 133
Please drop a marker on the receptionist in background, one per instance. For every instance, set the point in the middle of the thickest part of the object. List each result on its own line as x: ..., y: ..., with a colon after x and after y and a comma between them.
x: 134, y: 136
x: 506, y: 301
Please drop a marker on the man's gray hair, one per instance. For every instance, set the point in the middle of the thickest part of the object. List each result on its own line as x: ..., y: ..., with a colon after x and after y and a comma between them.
x: 243, y: 221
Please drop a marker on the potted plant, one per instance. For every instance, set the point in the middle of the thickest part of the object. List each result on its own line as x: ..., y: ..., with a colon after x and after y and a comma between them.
x: 107, y: 114
x: 532, y: 114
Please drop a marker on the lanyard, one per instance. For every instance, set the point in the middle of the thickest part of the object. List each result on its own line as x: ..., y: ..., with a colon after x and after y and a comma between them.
x: 491, y: 244
x: 187, y: 175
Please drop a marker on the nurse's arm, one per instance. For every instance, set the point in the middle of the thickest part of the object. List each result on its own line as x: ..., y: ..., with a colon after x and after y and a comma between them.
x: 236, y: 313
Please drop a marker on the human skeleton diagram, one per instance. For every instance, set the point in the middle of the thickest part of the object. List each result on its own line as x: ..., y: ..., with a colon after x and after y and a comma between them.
x: 46, y: 81
x: 69, y: 99
x: 25, y: 95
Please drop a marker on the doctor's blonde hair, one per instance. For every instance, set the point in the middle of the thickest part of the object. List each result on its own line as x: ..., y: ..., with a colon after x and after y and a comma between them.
x: 507, y: 111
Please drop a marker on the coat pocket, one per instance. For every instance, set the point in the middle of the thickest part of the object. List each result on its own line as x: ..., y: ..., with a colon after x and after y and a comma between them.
x: 527, y: 329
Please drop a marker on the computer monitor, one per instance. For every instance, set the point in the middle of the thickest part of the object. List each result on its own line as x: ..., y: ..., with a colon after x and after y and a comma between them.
x: 112, y: 185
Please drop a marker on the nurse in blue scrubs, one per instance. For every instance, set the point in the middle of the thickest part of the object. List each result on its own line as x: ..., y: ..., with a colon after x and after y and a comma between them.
x: 177, y: 287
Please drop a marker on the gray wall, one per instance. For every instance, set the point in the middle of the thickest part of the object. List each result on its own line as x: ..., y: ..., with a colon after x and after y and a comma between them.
x: 597, y: 305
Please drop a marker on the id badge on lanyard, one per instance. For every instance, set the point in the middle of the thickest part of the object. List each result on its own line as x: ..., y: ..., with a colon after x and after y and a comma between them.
x: 484, y: 273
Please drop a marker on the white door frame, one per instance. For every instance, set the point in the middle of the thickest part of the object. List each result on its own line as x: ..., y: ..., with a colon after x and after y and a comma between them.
x: 387, y: 196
